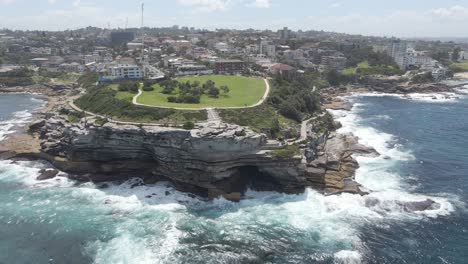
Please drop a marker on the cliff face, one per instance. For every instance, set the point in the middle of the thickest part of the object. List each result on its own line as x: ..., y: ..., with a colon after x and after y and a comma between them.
x: 210, y: 160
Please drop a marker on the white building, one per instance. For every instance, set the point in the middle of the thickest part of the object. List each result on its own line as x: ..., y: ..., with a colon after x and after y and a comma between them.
x: 135, y: 45
x: 222, y: 47
x: 268, y: 49
x: 126, y: 71
x: 41, y: 50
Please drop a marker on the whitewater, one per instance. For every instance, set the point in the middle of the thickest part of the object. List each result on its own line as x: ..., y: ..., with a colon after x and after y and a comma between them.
x: 63, y: 221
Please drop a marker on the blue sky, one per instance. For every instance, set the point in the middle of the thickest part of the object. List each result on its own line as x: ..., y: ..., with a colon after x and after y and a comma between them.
x: 402, y: 18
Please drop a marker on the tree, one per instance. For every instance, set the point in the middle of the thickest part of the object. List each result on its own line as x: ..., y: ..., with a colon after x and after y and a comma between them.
x: 225, y: 89
x: 213, y: 92
x: 195, y: 84
x: 456, y: 54
x: 128, y: 86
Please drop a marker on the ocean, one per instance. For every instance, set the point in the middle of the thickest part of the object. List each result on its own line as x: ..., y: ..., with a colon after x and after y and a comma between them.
x: 423, y: 142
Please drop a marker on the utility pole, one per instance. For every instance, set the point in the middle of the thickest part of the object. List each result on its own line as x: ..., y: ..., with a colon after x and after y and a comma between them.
x: 142, y: 32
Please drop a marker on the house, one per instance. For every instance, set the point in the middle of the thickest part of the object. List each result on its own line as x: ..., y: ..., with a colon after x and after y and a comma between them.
x: 283, y: 69
x: 135, y: 46
x: 39, y: 62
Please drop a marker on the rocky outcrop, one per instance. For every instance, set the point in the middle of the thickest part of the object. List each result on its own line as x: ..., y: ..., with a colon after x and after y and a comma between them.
x: 333, y: 167
x: 211, y: 160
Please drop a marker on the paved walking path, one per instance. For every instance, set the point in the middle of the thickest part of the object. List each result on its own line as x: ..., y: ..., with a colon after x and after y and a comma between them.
x: 304, y: 128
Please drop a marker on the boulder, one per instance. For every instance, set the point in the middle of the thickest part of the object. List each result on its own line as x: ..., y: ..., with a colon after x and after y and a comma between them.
x: 47, y: 174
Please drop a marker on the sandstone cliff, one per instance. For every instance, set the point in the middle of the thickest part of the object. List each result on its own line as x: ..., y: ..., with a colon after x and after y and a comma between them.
x: 211, y: 160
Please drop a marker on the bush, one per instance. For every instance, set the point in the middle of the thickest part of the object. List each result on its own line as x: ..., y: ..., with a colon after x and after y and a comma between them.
x: 289, y: 111
x: 423, y: 78
x: 129, y: 86
x: 287, y: 152
x: 189, y: 125
x: 148, y: 88
x: 103, y: 101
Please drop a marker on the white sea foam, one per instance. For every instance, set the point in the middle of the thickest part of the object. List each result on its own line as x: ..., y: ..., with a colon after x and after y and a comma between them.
x: 20, y: 118
x: 348, y: 257
x: 421, y: 97
x: 377, y: 174
x: 148, y: 216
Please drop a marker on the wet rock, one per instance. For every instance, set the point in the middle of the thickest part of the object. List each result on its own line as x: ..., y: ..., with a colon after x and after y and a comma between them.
x: 419, y: 206
x: 47, y: 174
x: 37, y: 125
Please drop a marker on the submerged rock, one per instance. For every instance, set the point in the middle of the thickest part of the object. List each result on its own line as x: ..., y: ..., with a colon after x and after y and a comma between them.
x: 420, y: 206
x: 47, y: 174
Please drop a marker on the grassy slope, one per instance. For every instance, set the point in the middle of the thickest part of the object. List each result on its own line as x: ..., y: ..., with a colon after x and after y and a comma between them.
x: 461, y: 65
x: 353, y: 70
x: 126, y: 96
x: 244, y: 91
x: 257, y: 118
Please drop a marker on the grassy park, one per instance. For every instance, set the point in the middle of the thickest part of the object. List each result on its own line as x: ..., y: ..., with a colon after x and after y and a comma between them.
x: 243, y: 91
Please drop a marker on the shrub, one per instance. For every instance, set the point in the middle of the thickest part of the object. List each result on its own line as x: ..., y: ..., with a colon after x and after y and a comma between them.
x: 128, y: 86
x: 287, y: 152
x: 189, y: 125
x: 148, y: 88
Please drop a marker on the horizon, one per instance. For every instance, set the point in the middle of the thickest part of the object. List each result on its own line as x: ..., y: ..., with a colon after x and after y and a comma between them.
x: 362, y: 17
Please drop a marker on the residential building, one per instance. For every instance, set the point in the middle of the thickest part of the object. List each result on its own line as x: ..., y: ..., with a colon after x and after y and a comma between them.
x: 398, y: 50
x: 193, y: 70
x: 41, y: 50
x: 337, y: 63
x: 222, y: 47
x: 229, y: 66
x: 71, y: 67
x: 135, y: 46
x: 283, y: 69
x: 267, y: 48
x: 284, y: 33
x: 126, y: 71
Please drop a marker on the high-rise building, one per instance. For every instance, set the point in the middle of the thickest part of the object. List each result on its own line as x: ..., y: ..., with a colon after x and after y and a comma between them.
x: 122, y: 37
x: 267, y: 48
x: 398, y: 51
x: 284, y: 33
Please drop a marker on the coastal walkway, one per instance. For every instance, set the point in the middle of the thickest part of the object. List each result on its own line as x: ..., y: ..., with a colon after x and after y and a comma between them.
x: 304, y: 125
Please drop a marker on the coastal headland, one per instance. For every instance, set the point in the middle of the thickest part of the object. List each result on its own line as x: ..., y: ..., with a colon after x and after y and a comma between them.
x: 209, y: 160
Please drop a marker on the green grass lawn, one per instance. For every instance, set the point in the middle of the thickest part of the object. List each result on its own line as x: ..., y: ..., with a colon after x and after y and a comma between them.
x: 460, y: 65
x: 352, y: 70
x: 126, y: 96
x: 244, y: 91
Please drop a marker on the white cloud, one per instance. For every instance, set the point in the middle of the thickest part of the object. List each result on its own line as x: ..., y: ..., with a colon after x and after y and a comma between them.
x: 52, y: 2
x: 261, y: 3
x: 206, y: 5
x: 335, y: 5
x: 442, y: 22
x: 6, y: 2
x: 76, y: 3
x: 457, y: 12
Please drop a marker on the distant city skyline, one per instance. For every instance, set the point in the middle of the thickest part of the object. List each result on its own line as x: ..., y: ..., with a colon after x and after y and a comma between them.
x: 398, y: 18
